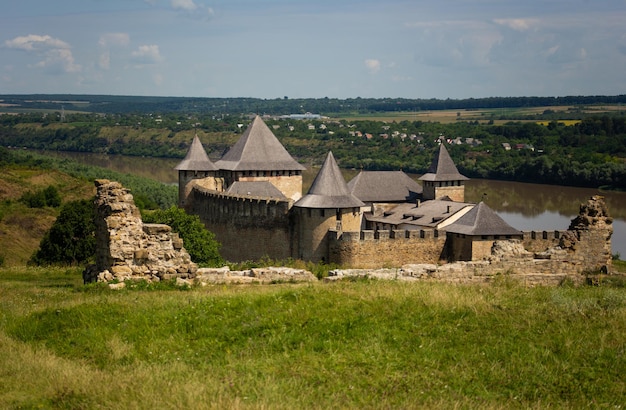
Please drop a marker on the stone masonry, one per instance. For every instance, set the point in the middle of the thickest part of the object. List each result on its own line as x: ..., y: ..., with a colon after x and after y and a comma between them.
x: 127, y: 248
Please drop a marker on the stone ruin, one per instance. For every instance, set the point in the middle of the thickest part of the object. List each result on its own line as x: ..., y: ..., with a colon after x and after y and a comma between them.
x: 127, y: 248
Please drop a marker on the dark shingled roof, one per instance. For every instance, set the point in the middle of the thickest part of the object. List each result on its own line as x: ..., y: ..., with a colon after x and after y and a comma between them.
x: 329, y: 189
x: 196, y: 158
x: 263, y: 189
x: 482, y: 220
x: 384, y: 186
x: 258, y: 149
x: 429, y: 214
x: 442, y: 168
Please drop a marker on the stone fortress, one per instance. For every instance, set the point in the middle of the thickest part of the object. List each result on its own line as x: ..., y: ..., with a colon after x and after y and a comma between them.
x: 381, y: 223
x: 252, y: 200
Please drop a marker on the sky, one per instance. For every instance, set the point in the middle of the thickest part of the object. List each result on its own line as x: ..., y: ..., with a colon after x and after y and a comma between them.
x: 313, y: 49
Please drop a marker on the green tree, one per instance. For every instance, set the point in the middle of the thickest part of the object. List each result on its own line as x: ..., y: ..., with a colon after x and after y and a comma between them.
x: 198, y: 241
x: 71, y: 239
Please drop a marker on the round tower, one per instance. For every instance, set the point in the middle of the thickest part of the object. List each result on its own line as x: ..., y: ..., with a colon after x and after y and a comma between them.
x: 328, y: 206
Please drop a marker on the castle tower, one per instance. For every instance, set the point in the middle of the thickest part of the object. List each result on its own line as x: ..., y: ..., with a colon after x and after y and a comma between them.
x: 259, y: 156
x: 328, y: 205
x: 443, y: 178
x: 195, y: 165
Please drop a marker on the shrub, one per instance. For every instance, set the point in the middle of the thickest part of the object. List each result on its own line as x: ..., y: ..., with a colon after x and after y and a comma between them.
x: 71, y: 238
x: 44, y: 197
x: 198, y: 241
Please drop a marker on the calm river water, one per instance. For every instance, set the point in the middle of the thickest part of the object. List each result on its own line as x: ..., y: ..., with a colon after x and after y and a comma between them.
x: 524, y: 206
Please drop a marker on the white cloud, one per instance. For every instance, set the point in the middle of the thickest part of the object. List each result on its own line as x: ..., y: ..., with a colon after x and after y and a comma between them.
x: 372, y: 65
x: 56, y: 54
x: 158, y: 79
x: 34, y: 42
x: 114, y: 39
x: 187, y: 5
x: 517, y: 24
x: 147, y: 54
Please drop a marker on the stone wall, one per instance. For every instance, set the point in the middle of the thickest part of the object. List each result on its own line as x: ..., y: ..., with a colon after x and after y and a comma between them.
x: 377, y: 249
x: 126, y: 248
x: 248, y: 227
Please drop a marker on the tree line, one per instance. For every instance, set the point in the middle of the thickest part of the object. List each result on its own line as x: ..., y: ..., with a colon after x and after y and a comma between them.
x: 589, y: 153
x: 285, y: 105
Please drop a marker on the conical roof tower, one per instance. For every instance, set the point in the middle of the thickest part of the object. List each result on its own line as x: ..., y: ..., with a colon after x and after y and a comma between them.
x: 443, y: 168
x: 329, y: 189
x: 258, y: 149
x: 443, y: 179
x: 196, y: 158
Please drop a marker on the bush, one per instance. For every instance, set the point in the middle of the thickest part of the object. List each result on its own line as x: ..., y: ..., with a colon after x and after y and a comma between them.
x: 198, y: 241
x: 44, y: 197
x: 71, y: 239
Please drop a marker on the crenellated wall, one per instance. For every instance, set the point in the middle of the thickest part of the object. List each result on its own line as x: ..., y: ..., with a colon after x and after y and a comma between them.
x: 248, y: 227
x: 377, y: 249
x: 584, y: 247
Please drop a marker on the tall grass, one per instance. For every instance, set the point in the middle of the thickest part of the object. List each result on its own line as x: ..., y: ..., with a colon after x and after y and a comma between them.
x: 321, y: 345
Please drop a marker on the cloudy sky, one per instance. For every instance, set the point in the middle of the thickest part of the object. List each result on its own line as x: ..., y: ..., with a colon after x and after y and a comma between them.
x: 314, y: 48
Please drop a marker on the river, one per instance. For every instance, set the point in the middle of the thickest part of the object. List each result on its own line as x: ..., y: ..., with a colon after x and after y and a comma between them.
x: 524, y: 206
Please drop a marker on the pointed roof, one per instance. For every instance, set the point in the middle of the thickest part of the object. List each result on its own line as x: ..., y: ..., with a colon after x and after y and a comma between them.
x: 482, y: 220
x: 442, y: 168
x: 196, y: 158
x: 258, y: 149
x: 329, y: 189
x: 384, y: 186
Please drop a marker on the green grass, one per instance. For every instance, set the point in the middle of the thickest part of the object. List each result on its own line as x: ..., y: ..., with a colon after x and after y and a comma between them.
x: 361, y: 344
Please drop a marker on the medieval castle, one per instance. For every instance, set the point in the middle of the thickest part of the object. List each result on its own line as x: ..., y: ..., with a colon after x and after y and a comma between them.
x: 252, y: 200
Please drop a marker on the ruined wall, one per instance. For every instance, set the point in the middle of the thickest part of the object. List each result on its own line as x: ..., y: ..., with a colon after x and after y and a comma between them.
x: 590, y: 238
x: 126, y: 248
x: 249, y: 228
x: 376, y: 249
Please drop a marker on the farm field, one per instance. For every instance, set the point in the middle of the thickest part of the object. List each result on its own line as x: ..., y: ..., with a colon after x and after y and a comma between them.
x: 359, y: 344
x: 483, y: 115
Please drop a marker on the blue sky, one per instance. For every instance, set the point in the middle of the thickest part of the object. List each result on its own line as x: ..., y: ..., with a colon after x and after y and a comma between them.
x: 323, y: 48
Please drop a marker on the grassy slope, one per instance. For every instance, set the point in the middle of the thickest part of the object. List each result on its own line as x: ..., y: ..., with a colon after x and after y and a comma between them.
x: 21, y: 228
x: 341, y: 345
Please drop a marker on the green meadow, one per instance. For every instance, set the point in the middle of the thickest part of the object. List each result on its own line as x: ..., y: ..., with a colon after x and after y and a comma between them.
x: 351, y: 344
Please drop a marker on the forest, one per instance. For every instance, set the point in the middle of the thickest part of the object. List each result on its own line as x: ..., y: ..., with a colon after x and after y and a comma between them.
x: 588, y: 152
x: 112, y: 104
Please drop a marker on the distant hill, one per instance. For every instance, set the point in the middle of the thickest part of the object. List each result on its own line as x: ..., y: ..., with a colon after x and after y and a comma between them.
x: 278, y: 106
x: 21, y: 227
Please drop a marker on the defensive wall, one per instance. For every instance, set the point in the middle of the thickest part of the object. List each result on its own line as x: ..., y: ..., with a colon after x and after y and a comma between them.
x: 584, y: 247
x: 248, y: 227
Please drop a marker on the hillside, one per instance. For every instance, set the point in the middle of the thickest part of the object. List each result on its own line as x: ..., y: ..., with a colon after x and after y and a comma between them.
x: 21, y: 227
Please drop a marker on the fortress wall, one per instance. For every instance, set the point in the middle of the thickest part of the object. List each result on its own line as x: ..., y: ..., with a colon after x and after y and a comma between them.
x: 289, y: 185
x: 539, y: 241
x: 248, y: 228
x: 456, y: 193
x: 377, y: 249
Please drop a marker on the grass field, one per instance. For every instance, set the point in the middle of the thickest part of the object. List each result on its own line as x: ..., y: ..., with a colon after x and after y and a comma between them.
x: 482, y: 115
x: 363, y: 344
